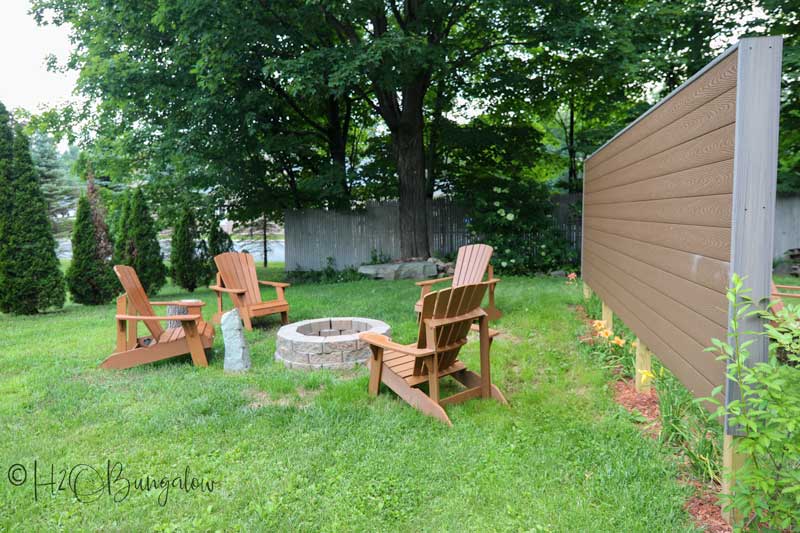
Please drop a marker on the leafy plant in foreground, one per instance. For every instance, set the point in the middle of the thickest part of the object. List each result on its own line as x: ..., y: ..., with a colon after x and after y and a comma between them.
x: 766, y: 489
x: 189, y: 259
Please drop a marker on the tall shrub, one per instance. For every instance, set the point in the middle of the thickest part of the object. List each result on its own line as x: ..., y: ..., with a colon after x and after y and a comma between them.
x: 122, y: 251
x: 139, y: 246
x: 90, y: 277
x: 189, y: 256
x: 6, y: 157
x: 218, y: 240
x: 29, y: 269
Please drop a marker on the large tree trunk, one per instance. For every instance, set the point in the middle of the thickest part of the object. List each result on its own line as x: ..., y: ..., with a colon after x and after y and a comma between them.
x: 407, y: 141
x: 337, y: 132
x: 573, y: 151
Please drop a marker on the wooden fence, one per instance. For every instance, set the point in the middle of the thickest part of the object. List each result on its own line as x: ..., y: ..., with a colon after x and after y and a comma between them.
x: 351, y: 237
x: 681, y: 199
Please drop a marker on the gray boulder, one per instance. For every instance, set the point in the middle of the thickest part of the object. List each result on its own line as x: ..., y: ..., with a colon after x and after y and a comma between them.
x: 409, y: 270
x: 237, y: 354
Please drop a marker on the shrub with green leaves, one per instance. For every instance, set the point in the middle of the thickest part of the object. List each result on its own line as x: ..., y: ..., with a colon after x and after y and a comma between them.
x: 189, y: 258
x: 514, y: 216
x: 137, y: 244
x: 766, y: 490
x: 90, y: 276
x: 219, y: 241
x: 30, y: 274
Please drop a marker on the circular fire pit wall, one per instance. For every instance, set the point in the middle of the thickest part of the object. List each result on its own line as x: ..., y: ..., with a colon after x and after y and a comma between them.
x: 326, y: 342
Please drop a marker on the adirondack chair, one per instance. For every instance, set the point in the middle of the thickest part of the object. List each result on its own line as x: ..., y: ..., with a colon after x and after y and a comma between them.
x: 446, y: 318
x: 193, y: 337
x: 472, y: 263
x: 777, y: 297
x: 236, y: 276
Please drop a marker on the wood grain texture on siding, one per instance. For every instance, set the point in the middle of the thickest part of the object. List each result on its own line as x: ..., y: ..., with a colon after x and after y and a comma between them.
x: 709, y: 303
x: 615, y: 297
x: 700, y: 240
x: 717, y: 113
x: 704, y: 150
x: 712, y: 83
x: 716, y: 178
x: 705, y: 271
x: 703, y: 211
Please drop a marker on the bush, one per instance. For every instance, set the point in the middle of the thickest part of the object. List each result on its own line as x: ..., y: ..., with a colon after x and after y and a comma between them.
x: 137, y: 244
x: 90, y: 277
x: 219, y: 241
x: 766, y: 489
x: 514, y: 216
x: 329, y: 274
x: 30, y: 273
x: 189, y: 256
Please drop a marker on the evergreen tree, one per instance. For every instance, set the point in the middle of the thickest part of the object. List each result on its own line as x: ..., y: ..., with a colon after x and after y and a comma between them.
x: 58, y: 190
x: 122, y: 251
x: 218, y: 240
x: 189, y: 255
x: 105, y: 246
x: 6, y: 157
x: 29, y: 269
x: 139, y: 245
x: 90, y: 277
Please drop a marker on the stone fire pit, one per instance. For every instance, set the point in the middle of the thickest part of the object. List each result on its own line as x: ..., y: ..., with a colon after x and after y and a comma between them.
x: 326, y: 342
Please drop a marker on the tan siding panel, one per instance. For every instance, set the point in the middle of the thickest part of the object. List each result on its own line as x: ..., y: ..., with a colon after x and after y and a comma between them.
x: 704, y: 240
x: 710, y: 148
x: 689, y: 376
x: 717, y: 113
x: 705, y: 271
x: 709, y: 303
x: 713, y: 83
x: 701, y: 211
x: 690, y: 323
x: 716, y: 178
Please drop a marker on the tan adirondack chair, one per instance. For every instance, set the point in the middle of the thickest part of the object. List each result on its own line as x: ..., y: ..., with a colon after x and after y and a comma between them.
x: 193, y: 337
x: 446, y: 319
x: 777, y: 297
x: 237, y: 277
x: 471, y: 265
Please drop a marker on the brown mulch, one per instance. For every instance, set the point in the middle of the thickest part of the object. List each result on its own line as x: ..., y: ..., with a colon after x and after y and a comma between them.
x: 703, y: 506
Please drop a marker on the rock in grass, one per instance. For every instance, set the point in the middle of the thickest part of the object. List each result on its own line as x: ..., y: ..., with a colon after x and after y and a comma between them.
x: 237, y: 354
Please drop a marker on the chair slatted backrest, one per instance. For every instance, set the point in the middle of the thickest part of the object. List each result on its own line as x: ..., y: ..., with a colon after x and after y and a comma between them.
x: 138, y: 298
x: 238, y: 271
x: 471, y: 264
x: 450, y: 303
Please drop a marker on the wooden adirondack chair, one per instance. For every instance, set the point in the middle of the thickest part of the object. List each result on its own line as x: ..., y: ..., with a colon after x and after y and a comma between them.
x: 471, y: 265
x: 237, y: 277
x: 446, y: 319
x: 193, y: 337
x: 777, y: 297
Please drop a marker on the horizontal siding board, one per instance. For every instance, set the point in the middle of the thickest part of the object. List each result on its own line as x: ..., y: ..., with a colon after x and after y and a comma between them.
x: 716, y: 178
x: 703, y: 211
x: 683, y: 321
x: 699, y: 240
x: 689, y: 376
x: 705, y: 271
x: 711, y: 304
x: 715, y: 114
x: 714, y: 82
x: 709, y: 148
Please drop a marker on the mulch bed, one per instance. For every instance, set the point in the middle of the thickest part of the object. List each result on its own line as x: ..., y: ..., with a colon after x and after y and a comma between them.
x: 703, y: 506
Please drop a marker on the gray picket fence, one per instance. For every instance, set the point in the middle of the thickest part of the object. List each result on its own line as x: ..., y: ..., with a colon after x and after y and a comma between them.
x: 352, y: 237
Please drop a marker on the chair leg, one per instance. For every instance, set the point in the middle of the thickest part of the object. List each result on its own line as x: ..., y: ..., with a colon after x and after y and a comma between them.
x: 375, y: 368
x: 246, y: 321
x: 285, y: 317
x: 470, y: 379
x: 196, y: 349
x: 414, y: 397
x: 433, y: 377
x: 485, y: 341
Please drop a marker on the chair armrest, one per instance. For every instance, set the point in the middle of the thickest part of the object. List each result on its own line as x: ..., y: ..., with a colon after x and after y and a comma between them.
x: 275, y: 284
x: 384, y: 342
x: 217, y: 288
x: 426, y: 282
x: 195, y: 303
x: 182, y: 318
x: 493, y: 281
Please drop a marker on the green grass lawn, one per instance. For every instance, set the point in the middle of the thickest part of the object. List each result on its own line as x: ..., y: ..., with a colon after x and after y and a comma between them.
x: 290, y: 450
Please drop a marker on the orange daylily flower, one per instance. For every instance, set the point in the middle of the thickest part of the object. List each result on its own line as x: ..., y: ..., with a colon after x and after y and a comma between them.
x: 606, y: 333
x: 619, y: 341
